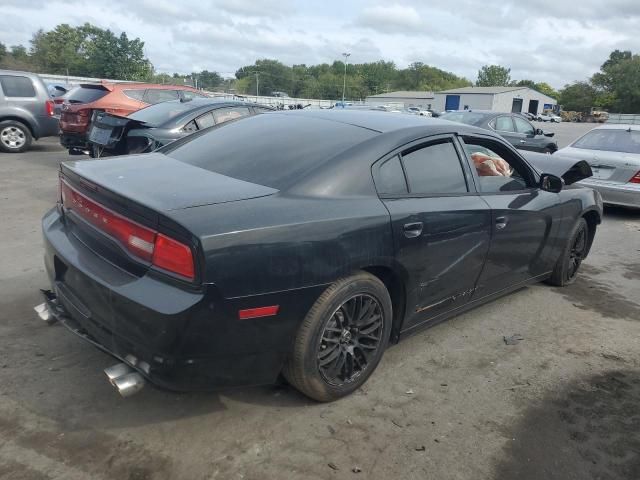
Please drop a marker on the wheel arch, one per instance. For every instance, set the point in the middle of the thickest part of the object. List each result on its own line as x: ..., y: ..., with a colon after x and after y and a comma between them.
x: 396, y: 286
x: 25, y: 121
x: 593, y: 219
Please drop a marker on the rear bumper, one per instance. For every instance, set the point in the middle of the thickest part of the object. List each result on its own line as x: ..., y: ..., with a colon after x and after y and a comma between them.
x: 623, y: 194
x: 74, y: 140
x: 180, y: 339
x: 47, y: 127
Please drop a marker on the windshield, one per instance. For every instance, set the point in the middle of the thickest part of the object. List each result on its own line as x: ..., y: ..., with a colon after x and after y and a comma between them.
x: 470, y: 118
x: 161, y: 113
x: 611, y: 140
x: 86, y: 94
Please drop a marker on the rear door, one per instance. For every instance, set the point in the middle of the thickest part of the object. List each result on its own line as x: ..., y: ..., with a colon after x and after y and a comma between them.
x: 524, y: 218
x: 441, y: 226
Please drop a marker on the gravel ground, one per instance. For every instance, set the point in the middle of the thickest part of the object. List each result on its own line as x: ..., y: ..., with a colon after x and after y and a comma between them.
x: 451, y: 402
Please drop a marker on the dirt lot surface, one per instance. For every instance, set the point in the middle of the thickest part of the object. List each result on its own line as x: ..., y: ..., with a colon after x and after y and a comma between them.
x: 451, y: 402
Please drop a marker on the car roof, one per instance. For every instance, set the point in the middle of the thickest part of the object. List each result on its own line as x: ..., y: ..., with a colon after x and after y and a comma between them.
x: 377, y: 121
x: 618, y: 126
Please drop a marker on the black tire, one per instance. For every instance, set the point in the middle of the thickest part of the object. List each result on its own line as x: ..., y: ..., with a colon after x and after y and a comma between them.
x: 328, y: 338
x: 15, y: 137
x: 566, y: 269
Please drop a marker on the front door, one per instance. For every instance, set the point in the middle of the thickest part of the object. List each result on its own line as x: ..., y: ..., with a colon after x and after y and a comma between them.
x: 441, y: 228
x: 522, y: 216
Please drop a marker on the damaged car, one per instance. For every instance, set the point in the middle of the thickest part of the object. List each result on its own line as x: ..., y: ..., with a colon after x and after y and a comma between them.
x: 158, y: 125
x: 301, y: 244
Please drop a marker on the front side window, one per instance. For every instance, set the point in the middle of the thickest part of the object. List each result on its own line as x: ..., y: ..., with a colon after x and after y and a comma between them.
x: 504, y: 124
x: 522, y: 126
x: 225, y: 114
x: 16, y: 86
x: 434, y: 169
x: 154, y: 96
x: 496, y: 168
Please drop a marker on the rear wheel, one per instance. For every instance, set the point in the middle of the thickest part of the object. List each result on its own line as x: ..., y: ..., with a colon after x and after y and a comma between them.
x: 566, y: 269
x: 15, y: 136
x: 342, y: 338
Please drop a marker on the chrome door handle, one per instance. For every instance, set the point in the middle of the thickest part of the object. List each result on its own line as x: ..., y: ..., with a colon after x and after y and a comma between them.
x: 412, y: 230
x: 523, y: 141
x: 501, y: 222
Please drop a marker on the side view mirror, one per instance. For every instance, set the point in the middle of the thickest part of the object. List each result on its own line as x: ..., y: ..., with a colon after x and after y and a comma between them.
x: 539, y: 131
x: 551, y: 183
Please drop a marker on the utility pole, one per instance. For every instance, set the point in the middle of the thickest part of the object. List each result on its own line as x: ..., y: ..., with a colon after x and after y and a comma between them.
x: 257, y: 84
x: 344, y: 82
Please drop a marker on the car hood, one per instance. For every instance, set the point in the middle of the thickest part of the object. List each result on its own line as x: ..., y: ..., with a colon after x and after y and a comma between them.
x: 163, y: 183
x: 569, y: 169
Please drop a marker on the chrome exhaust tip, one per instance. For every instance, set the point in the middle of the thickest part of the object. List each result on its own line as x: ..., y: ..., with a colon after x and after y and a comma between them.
x: 43, y: 312
x: 129, y: 384
x: 125, y: 380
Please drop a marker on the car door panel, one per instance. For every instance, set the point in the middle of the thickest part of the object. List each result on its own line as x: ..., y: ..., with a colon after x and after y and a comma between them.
x: 444, y: 260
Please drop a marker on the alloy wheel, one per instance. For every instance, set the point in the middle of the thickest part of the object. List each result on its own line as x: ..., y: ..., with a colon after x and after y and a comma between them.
x: 350, y: 339
x: 13, y: 137
x: 577, y: 252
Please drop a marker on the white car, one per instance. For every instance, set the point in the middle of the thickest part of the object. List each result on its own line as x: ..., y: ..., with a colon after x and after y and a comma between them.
x: 418, y: 111
x: 556, y: 118
x: 543, y: 117
x: 613, y: 151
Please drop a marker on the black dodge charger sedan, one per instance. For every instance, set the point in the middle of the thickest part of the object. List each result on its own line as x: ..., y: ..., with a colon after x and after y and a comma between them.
x: 514, y: 127
x: 302, y: 243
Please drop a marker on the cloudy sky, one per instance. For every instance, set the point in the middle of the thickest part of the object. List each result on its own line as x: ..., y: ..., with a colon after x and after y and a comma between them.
x: 557, y: 41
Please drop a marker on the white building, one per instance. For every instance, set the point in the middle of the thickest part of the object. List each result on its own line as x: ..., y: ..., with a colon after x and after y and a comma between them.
x: 402, y: 99
x: 498, y: 99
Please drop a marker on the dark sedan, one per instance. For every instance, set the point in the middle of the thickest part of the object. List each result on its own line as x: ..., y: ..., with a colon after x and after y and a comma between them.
x: 512, y: 126
x: 302, y: 243
x: 160, y: 124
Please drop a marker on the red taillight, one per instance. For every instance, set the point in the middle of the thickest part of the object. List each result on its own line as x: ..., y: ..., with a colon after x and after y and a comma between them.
x: 635, y: 178
x: 258, y: 312
x: 173, y: 256
x: 49, y: 107
x: 142, y: 242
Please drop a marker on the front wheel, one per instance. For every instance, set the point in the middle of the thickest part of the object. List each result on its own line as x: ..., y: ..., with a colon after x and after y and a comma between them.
x: 566, y: 269
x: 342, y: 338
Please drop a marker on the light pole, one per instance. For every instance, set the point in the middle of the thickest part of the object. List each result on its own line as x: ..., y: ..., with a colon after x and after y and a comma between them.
x: 344, y: 82
x: 257, y: 84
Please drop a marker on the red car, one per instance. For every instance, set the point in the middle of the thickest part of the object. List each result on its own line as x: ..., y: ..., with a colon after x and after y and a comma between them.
x: 83, y: 102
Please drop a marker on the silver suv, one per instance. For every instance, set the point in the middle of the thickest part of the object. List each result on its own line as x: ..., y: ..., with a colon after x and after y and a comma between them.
x: 26, y: 111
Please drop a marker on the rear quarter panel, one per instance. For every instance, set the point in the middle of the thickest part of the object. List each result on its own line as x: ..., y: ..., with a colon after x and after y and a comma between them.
x: 280, y: 243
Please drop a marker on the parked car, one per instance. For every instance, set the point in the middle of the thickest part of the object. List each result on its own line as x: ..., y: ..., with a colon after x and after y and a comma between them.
x: 512, y: 126
x: 529, y: 116
x: 86, y: 100
x: 543, y: 117
x: 26, y: 111
x: 301, y: 242
x: 157, y: 125
x: 555, y: 118
x: 613, y: 151
x: 419, y: 111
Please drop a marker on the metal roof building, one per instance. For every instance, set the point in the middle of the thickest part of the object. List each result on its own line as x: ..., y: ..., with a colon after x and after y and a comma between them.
x: 402, y: 99
x: 499, y: 99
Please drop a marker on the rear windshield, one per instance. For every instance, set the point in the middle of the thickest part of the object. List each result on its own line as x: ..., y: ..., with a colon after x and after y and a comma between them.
x: 161, y: 113
x: 274, y: 150
x: 611, y: 140
x: 470, y: 118
x: 86, y: 94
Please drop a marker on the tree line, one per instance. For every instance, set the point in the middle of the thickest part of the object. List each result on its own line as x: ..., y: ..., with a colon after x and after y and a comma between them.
x: 91, y: 51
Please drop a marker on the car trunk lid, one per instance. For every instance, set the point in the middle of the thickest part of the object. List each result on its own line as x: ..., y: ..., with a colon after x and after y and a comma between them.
x: 613, y: 167
x: 109, y: 134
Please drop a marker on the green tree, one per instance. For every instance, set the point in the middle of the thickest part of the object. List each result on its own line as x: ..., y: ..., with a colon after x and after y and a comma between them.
x: 579, y: 96
x: 547, y: 89
x: 493, y: 76
x: 3, y: 51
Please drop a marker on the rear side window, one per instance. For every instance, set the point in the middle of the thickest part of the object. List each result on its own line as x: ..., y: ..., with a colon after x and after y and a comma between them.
x: 390, y: 178
x: 225, y: 114
x: 134, y: 94
x: 189, y: 95
x: 86, y: 94
x: 205, y: 121
x: 434, y: 169
x: 153, y: 96
x: 15, y: 86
